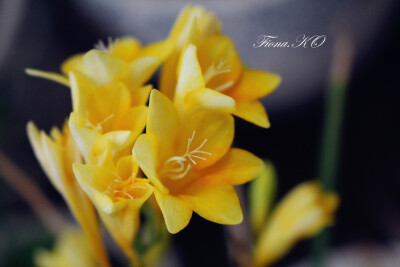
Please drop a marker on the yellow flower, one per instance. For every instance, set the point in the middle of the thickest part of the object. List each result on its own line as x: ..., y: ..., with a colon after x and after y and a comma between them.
x: 191, y: 165
x: 56, y: 153
x: 211, y: 76
x: 193, y: 25
x: 71, y: 250
x: 304, y: 212
x: 117, y: 194
x: 126, y: 59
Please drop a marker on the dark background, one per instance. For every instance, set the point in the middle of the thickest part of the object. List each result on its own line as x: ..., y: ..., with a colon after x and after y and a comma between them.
x: 41, y: 34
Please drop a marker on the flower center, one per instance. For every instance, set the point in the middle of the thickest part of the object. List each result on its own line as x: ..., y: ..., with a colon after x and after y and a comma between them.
x: 123, y: 188
x: 98, y: 126
x: 215, y: 70
x: 177, y: 167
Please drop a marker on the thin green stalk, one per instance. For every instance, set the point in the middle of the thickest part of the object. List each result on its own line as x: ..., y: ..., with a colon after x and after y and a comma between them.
x: 332, y: 129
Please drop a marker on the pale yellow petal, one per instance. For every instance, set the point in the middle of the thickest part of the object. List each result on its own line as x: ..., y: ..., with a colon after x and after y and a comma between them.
x: 139, y: 71
x: 176, y: 212
x: 208, y: 23
x: 168, y: 75
x: 162, y: 122
x: 107, y: 104
x: 160, y: 50
x: 133, y: 120
x: 253, y: 112
x: 146, y: 154
x: 218, y: 204
x: 204, y: 98
x: 119, y: 142
x: 36, y: 143
x: 190, y: 76
x: 71, y: 63
x: 126, y: 48
x: 53, y: 154
x: 219, y: 62
x: 236, y: 167
x: 81, y: 88
x: 253, y: 85
x: 84, y: 137
x: 140, y: 96
x: 52, y: 76
x: 212, y: 132
x: 96, y: 181
x: 127, y: 167
x: 101, y: 67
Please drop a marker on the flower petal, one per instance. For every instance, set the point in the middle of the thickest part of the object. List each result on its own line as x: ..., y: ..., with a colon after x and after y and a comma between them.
x: 71, y: 62
x: 36, y: 142
x: 101, y: 67
x: 126, y: 48
x: 139, y: 71
x: 127, y: 167
x: 81, y: 88
x: 162, y: 122
x: 107, y: 104
x: 133, y: 120
x: 160, y: 50
x: 253, y: 112
x: 211, y: 132
x: 190, y: 76
x: 218, y: 204
x: 176, y: 212
x: 236, y: 167
x: 119, y: 142
x: 204, y: 98
x: 140, y: 96
x: 208, y: 23
x: 95, y: 180
x: 253, y: 85
x: 218, y: 52
x: 84, y: 137
x: 146, y: 153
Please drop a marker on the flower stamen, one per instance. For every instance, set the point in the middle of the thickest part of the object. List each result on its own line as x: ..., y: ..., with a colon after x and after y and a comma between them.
x: 175, y: 169
x: 99, y: 126
x: 102, y: 46
x: 215, y: 70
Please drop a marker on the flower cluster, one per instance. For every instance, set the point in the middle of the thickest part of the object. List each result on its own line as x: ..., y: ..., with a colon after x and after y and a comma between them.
x: 102, y: 158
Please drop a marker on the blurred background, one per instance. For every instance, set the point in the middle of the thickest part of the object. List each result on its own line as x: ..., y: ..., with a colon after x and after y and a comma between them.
x: 42, y: 33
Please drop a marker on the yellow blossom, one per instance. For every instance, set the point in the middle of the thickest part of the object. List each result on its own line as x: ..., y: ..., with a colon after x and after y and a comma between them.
x: 140, y: 62
x: 304, y: 212
x: 221, y: 83
x: 56, y: 153
x: 117, y: 194
x: 104, y: 110
x: 191, y: 166
x: 71, y: 250
x: 193, y: 25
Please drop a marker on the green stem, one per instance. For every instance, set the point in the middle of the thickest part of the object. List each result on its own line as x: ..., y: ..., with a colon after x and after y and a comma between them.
x: 328, y: 166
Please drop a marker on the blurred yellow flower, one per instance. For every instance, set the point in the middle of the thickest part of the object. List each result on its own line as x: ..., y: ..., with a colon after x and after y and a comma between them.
x: 211, y: 76
x: 193, y: 25
x: 304, y: 212
x: 71, y: 250
x: 222, y: 71
x: 106, y: 63
x: 56, y: 154
x: 191, y: 165
x: 117, y: 194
